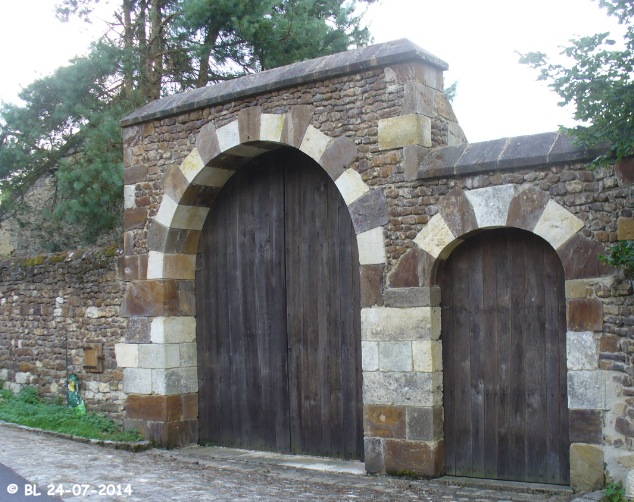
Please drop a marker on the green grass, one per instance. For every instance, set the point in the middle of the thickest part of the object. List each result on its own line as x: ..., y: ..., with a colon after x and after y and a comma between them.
x: 27, y: 408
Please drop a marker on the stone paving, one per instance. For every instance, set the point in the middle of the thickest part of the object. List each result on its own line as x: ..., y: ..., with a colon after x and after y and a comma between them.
x: 158, y: 475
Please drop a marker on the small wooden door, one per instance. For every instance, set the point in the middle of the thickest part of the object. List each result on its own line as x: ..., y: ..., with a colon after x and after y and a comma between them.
x: 278, y: 326
x: 504, y: 359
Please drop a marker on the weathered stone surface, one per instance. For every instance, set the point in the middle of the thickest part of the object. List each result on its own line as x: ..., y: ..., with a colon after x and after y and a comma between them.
x: 624, y: 170
x: 585, y: 315
x: 174, y: 381
x: 228, y: 136
x: 172, y: 240
x: 435, y: 236
x: 371, y: 285
x: 249, y: 123
x: 134, y: 218
x: 133, y: 268
x: 159, y: 355
x: 424, y: 424
x: 373, y: 455
x: 395, y: 356
x: 529, y: 150
x: 371, y: 244
x: 160, y: 408
x: 484, y: 155
x: 405, y: 273
x: 581, y: 349
x: 413, y: 155
x: 127, y: 355
x: 271, y: 126
x: 173, y: 215
x: 351, y: 186
x: 402, y: 388
x: 207, y: 143
x: 175, y: 183
x: 586, y: 390
x: 579, y: 288
x: 138, y: 330
x: 397, y: 132
x: 412, y: 297
x: 369, y: 211
x: 314, y: 143
x: 212, y: 177
x: 129, y: 196
x: 440, y: 161
x: 417, y: 98
x: 391, y: 324
x: 580, y: 258
x: 422, y: 458
x: 134, y: 174
x: 171, y: 266
x: 159, y: 298
x: 384, y: 421
x: 137, y: 381
x: 526, y: 208
x: 338, y: 156
x: 585, y: 426
x: 586, y: 467
x: 192, y: 165
x: 491, y: 204
x: 297, y: 121
x: 369, y: 356
x: 625, y: 228
x: 457, y: 212
x: 173, y: 329
x: 564, y: 150
x: 556, y: 224
x: 427, y: 355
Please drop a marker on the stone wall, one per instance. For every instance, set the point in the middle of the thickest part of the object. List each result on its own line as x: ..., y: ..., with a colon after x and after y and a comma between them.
x: 388, y: 138
x: 51, y: 308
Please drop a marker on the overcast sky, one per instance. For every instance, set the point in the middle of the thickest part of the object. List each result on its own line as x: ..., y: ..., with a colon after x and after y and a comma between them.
x: 479, y: 39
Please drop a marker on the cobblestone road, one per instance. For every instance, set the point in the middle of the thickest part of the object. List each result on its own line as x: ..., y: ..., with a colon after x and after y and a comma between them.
x: 158, y: 475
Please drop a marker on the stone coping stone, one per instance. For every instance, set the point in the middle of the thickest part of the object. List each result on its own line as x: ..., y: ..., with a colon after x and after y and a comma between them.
x: 342, y: 63
x: 503, y: 154
x: 133, y: 446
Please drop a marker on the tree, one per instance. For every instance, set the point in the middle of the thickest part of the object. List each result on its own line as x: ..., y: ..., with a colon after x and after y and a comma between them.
x: 68, y: 124
x: 597, y: 80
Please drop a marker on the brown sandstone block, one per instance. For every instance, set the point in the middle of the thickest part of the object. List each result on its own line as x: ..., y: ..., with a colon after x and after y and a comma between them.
x: 585, y: 315
x: 384, y: 421
x: 625, y: 229
x: 424, y: 459
x: 585, y: 426
x: 134, y: 218
x: 371, y: 285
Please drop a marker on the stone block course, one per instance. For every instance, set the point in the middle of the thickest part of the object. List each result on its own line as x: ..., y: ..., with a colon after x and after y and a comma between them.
x: 411, y: 129
x: 384, y: 421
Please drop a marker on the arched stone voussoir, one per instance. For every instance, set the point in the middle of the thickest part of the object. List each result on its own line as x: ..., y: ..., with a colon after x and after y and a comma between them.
x: 491, y: 204
x: 457, y: 212
x: 556, y: 225
x: 369, y: 211
x: 435, y: 237
x: 338, y: 156
x: 371, y: 245
x: 351, y: 186
x: 172, y: 240
x: 171, y: 214
x: 526, y: 208
x: 171, y: 266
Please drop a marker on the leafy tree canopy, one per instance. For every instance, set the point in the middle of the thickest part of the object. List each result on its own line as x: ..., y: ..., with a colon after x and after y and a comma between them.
x: 68, y: 122
x: 597, y: 79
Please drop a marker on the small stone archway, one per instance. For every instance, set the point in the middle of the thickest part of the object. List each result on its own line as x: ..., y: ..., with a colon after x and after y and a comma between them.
x: 461, y: 213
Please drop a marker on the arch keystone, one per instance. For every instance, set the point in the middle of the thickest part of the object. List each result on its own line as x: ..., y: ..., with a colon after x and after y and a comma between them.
x: 228, y: 135
x: 271, y: 126
x: 491, y: 204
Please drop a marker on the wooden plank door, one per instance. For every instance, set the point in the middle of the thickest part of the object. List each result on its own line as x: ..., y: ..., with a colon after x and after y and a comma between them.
x: 241, y: 315
x: 278, y: 326
x: 504, y: 359
x: 323, y: 317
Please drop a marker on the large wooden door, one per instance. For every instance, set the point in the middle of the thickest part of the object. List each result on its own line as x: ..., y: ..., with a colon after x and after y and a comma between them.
x: 278, y: 327
x: 504, y: 347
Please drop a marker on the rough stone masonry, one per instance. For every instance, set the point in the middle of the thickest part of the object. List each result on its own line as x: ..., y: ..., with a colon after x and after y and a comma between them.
x: 377, y: 121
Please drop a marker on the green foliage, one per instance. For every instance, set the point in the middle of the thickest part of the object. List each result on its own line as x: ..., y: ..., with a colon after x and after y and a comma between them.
x: 26, y: 408
x: 451, y: 91
x: 68, y: 123
x: 597, y: 79
x: 621, y: 256
x: 614, y: 492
